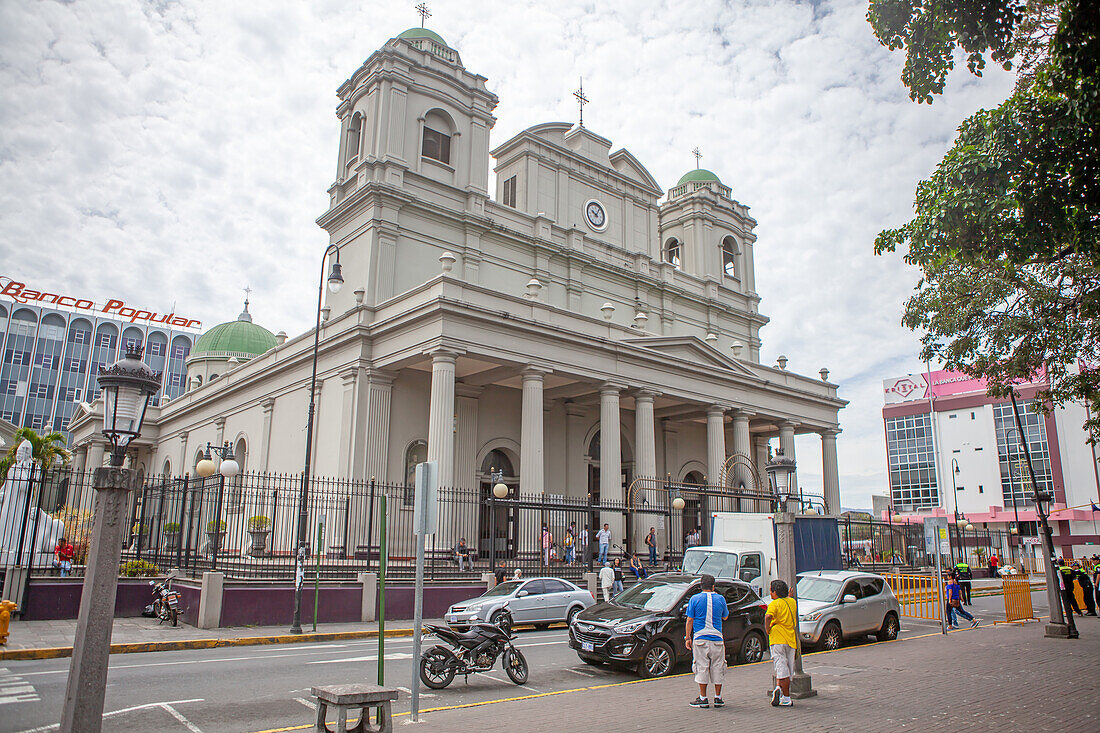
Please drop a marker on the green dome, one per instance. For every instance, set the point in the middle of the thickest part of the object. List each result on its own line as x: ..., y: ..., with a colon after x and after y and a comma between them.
x: 414, y: 33
x: 701, y: 175
x: 236, y: 337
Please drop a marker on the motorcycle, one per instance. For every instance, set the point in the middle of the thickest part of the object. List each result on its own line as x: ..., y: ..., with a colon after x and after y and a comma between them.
x: 166, y: 602
x: 474, y: 651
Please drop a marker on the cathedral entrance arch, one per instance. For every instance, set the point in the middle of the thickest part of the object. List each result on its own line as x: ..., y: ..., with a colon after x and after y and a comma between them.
x: 496, y: 519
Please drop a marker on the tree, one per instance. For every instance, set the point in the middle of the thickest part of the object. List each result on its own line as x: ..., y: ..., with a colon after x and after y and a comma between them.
x: 1005, y: 230
x: 46, y: 450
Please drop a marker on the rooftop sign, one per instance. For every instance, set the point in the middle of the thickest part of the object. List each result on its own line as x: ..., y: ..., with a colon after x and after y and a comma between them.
x: 914, y: 387
x: 20, y: 293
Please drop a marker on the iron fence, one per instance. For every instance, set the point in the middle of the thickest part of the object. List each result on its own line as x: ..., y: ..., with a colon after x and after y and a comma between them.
x: 878, y: 545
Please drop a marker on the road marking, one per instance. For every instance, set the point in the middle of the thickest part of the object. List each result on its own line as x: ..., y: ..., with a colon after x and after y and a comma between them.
x: 407, y: 691
x: 307, y: 703
x: 175, y: 714
x: 13, y: 688
x: 164, y: 705
x: 580, y: 671
x: 368, y: 658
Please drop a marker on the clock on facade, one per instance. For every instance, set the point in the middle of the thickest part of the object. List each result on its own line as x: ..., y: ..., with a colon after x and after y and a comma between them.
x: 595, y: 215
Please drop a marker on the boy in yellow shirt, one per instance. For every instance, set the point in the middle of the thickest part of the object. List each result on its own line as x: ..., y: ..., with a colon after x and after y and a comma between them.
x: 779, y: 623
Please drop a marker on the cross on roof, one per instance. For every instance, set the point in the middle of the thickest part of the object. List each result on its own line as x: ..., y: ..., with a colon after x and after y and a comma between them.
x: 697, y: 154
x: 581, y: 100
x: 422, y: 9
x: 247, y: 292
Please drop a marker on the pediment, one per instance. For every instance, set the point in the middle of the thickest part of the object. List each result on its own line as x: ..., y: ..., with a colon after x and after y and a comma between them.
x: 690, y: 348
x: 631, y: 167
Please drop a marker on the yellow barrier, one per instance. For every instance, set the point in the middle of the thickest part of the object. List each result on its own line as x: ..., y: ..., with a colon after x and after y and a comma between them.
x: 1079, y: 594
x: 918, y: 595
x: 1017, y: 595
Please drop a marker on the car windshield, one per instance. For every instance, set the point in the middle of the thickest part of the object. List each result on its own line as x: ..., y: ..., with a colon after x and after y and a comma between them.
x: 816, y: 588
x: 651, y: 595
x: 502, y: 589
x: 716, y: 563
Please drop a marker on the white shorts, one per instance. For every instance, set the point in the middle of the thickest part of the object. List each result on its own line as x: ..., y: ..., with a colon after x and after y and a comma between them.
x: 708, y: 661
x: 783, y: 659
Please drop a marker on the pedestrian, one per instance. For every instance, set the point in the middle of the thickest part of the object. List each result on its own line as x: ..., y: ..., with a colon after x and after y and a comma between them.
x: 570, y: 543
x: 547, y: 542
x: 964, y: 575
x: 63, y: 554
x: 994, y: 562
x: 706, y: 610
x: 603, y: 537
x: 499, y: 573
x: 636, y: 567
x: 617, y: 584
x: 517, y: 575
x: 586, y: 545
x: 689, y: 537
x: 651, y: 543
x: 953, y: 594
x: 462, y: 555
x: 1065, y: 581
x: 1085, y: 582
x: 607, y: 580
x: 779, y: 623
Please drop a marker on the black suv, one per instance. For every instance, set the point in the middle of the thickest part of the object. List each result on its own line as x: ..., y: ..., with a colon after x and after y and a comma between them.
x: 643, y: 627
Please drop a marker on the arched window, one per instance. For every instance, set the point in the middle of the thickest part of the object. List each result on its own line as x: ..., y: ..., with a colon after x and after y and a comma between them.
x: 355, y: 136
x: 438, y: 130
x: 498, y: 460
x: 236, y: 484
x: 416, y: 453
x: 166, y: 469
x: 672, y: 252
x: 729, y: 257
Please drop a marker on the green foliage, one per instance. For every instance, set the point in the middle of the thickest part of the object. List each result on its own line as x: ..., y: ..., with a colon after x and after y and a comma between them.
x: 138, y: 569
x: 46, y: 450
x: 258, y: 523
x: 171, y: 527
x: 140, y: 528
x: 213, y: 526
x: 1005, y: 230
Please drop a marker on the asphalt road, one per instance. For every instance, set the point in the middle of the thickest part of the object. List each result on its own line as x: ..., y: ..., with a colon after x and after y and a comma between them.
x: 250, y: 689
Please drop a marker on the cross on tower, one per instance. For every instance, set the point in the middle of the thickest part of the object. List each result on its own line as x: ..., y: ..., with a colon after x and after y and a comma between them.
x: 422, y: 9
x: 581, y: 100
x: 697, y: 154
x: 247, y: 292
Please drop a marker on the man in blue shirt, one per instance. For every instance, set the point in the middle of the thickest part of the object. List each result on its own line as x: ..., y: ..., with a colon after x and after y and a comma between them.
x: 705, y: 613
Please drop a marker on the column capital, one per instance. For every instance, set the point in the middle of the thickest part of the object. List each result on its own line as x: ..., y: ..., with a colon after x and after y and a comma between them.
x: 646, y: 394
x: 268, y: 405
x: 739, y: 413
x: 608, y: 389
x: 379, y: 376
x: 830, y: 432
x: 442, y: 355
x: 788, y: 424
x: 348, y: 376
x: 182, y: 436
x: 219, y: 422
x: 468, y: 390
x: 532, y: 372
x: 717, y: 409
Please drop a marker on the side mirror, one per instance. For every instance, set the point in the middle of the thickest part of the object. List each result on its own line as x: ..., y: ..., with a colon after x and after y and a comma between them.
x: 848, y: 599
x: 521, y: 594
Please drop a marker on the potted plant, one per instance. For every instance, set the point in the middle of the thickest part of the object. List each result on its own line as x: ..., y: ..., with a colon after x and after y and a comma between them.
x: 215, y: 531
x: 259, y: 527
x: 171, y: 535
x: 140, y: 530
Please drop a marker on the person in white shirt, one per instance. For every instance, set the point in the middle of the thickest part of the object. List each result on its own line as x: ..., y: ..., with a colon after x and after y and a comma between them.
x: 607, y: 579
x: 603, y: 537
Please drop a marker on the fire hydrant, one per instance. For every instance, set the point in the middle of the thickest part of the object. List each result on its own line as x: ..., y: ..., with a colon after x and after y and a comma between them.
x: 6, y: 607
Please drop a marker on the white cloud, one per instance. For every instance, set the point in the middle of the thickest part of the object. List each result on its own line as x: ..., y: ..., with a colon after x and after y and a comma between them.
x: 174, y: 152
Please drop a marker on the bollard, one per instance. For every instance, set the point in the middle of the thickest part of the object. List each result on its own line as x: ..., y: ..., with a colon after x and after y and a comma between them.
x: 6, y: 610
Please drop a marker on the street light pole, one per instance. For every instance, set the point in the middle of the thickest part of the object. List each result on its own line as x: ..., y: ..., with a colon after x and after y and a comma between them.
x: 335, y: 282
x: 955, y: 470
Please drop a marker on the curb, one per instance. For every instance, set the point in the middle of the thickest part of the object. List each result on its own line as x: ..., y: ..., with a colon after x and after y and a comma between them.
x: 58, y: 652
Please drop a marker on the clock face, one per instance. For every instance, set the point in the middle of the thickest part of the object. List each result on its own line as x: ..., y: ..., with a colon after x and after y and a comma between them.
x: 595, y: 215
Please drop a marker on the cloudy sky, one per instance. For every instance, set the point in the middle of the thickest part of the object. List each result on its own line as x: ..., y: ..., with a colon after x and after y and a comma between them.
x: 173, y: 152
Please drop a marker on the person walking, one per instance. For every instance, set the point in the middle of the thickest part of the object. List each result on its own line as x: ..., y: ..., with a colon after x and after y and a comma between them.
x: 547, y: 542
x: 964, y: 575
x: 607, y: 580
x: 499, y: 572
x: 706, y: 610
x: 779, y: 625
x: 651, y: 543
x: 994, y: 563
x: 570, y: 543
x: 953, y: 594
x: 603, y: 537
x: 1085, y: 582
x: 617, y: 584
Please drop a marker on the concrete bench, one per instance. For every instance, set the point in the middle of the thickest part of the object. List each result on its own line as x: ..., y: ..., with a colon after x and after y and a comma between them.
x: 367, y: 698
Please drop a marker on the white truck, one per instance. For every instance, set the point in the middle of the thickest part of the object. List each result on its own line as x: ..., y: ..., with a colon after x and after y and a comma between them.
x: 743, y: 547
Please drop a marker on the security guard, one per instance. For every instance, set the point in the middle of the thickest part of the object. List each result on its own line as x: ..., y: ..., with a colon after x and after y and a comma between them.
x: 1085, y: 582
x: 965, y: 576
x: 1067, y: 574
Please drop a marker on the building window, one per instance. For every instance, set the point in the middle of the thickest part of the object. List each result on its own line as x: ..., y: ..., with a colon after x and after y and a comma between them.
x: 414, y: 454
x: 10, y: 386
x: 41, y: 391
x: 912, y: 462
x: 437, y: 145
x: 180, y: 351
x: 17, y: 358
x: 1016, y: 486
x: 510, y: 192
x: 355, y: 133
x: 74, y: 364
x: 156, y: 348
x: 672, y: 252
x: 47, y: 361
x: 80, y: 336
x: 729, y: 257
x: 105, y: 341
x: 981, y: 489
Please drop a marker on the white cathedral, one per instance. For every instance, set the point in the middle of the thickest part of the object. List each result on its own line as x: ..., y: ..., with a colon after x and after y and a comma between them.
x: 576, y: 328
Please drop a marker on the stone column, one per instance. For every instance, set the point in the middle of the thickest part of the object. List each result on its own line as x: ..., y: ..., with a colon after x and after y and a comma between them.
x: 611, y: 467
x: 348, y: 423
x: 575, y: 466
x: 376, y: 453
x: 95, y: 455
x: 466, y: 412
x: 268, y: 407
x: 532, y: 464
x: 786, y: 444
x: 441, y: 415
x: 760, y: 459
x: 830, y: 472
x: 716, y: 443
x: 645, y: 440
x: 742, y: 446
x: 83, y: 707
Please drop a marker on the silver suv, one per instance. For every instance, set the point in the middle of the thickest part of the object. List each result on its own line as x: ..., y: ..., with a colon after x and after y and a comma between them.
x: 834, y: 605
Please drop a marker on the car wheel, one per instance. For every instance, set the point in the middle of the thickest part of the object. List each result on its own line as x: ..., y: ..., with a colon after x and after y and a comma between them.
x: 658, y: 660
x: 832, y: 637
x: 890, y: 628
x: 502, y: 619
x: 572, y: 615
x: 541, y: 627
x: 752, y: 648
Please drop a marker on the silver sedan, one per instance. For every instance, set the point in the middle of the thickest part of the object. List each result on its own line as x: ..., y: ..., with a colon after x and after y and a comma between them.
x: 530, y: 601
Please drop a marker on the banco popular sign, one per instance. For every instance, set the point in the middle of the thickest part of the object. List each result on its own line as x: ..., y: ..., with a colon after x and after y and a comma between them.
x: 20, y: 293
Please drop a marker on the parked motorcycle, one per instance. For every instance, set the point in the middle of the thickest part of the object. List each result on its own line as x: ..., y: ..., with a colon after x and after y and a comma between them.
x: 166, y: 602
x: 471, y: 652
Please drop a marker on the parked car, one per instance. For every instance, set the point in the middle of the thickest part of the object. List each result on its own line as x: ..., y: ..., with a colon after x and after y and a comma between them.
x: 539, y: 601
x: 643, y: 627
x: 834, y: 605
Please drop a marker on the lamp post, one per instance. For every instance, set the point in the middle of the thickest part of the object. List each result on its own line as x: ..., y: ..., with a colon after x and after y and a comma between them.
x: 227, y: 469
x: 127, y: 386
x: 499, y: 490
x: 335, y: 282
x: 781, y: 471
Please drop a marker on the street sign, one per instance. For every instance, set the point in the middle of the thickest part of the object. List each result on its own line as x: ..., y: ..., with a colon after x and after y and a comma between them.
x: 935, y: 535
x: 426, y: 513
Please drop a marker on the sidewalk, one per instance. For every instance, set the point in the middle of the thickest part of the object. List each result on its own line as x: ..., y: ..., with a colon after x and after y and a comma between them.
x: 1004, y: 678
x: 51, y: 639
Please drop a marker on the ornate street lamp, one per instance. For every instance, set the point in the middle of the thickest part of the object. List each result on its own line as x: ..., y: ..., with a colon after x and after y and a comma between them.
x: 780, y: 471
x: 127, y: 386
x: 229, y: 466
